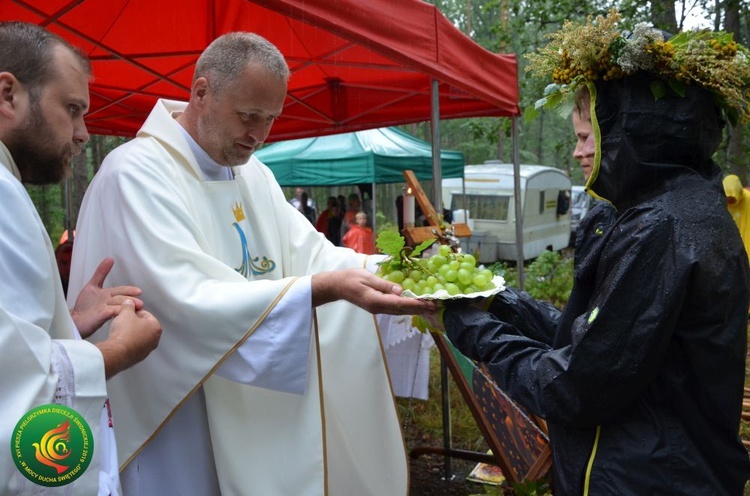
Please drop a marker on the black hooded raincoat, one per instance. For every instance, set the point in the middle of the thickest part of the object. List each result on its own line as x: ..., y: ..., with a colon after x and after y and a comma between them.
x: 641, y: 377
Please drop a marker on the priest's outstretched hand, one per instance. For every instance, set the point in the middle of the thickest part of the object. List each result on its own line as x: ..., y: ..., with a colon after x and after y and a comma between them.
x: 367, y: 291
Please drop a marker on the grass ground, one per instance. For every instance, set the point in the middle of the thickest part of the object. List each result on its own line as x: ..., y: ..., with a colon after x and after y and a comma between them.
x: 422, y: 423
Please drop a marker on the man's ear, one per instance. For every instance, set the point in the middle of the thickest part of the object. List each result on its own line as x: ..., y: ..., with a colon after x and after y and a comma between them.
x: 200, y: 89
x: 10, y: 90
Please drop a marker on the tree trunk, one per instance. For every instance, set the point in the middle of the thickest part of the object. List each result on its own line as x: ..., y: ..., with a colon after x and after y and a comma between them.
x: 717, y: 15
x: 663, y: 13
x: 732, y: 18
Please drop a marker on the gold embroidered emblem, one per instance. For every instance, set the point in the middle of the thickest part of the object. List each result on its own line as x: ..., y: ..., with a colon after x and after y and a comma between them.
x: 239, y: 213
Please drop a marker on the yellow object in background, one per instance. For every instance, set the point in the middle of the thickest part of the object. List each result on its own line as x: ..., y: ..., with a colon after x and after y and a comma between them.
x: 738, y: 203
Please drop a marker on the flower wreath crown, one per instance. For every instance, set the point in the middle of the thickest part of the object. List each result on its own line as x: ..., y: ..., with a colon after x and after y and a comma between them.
x: 598, y: 51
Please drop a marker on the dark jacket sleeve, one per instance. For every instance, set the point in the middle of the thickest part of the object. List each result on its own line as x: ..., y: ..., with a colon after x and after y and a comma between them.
x: 534, y: 319
x: 616, y: 345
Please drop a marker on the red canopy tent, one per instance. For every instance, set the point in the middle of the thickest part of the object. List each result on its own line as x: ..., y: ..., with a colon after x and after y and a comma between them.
x: 355, y: 64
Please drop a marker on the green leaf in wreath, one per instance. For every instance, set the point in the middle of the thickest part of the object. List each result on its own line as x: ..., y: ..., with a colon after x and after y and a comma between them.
x: 658, y: 89
x: 677, y: 86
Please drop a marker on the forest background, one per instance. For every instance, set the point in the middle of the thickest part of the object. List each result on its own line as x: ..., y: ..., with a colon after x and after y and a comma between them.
x: 504, y: 26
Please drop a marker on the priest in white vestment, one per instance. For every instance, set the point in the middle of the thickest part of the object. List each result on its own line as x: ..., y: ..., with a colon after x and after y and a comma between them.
x: 256, y: 388
x: 42, y: 359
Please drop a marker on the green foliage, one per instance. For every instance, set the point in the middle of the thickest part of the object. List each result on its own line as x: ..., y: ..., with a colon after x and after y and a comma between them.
x: 392, y: 243
x: 527, y: 488
x: 384, y: 224
x: 48, y: 200
x: 550, y: 277
x: 507, y: 271
x: 532, y: 488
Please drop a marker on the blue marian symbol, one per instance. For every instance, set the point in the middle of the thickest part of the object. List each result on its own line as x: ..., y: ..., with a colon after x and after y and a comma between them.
x: 250, y: 264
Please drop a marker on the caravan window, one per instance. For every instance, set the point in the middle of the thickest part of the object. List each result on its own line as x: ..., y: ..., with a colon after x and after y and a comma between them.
x: 490, y: 207
x: 580, y: 198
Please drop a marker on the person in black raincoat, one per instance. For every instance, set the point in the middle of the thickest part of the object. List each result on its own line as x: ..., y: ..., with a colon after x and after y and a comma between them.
x: 641, y: 378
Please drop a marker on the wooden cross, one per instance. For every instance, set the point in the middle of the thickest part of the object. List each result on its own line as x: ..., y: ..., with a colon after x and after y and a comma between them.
x: 416, y: 235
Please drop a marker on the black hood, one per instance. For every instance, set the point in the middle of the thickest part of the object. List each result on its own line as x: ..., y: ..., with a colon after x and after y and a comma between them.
x: 645, y: 141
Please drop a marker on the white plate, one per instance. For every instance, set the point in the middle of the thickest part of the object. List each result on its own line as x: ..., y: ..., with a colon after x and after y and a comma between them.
x: 498, y: 281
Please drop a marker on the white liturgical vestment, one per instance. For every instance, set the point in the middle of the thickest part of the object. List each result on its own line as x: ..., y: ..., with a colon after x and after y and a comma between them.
x: 41, y: 358
x: 216, y: 260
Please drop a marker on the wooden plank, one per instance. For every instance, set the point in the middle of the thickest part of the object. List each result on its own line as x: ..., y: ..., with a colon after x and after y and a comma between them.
x: 461, y: 230
x: 415, y: 235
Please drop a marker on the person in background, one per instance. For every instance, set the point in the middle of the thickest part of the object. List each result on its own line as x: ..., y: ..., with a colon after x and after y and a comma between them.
x: 297, y: 201
x: 43, y: 99
x: 447, y: 215
x: 641, y: 383
x: 360, y: 237
x: 270, y: 378
x: 329, y: 221
x: 354, y: 205
x: 738, y: 203
x: 305, y: 209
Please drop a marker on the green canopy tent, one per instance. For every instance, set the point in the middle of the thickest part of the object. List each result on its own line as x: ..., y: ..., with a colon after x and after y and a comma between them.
x: 370, y: 157
x: 374, y: 156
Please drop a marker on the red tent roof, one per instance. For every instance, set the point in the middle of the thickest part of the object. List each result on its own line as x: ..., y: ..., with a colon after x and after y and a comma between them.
x: 355, y: 64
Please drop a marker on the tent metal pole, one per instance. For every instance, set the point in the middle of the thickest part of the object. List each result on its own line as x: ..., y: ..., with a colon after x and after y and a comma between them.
x: 374, y: 208
x: 437, y: 167
x: 437, y: 201
x: 518, y: 203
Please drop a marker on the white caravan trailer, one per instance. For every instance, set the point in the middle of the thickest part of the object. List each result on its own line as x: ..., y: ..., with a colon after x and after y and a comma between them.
x: 486, y: 195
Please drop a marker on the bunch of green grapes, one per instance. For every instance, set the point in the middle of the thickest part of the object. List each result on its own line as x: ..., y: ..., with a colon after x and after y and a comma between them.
x: 457, y: 273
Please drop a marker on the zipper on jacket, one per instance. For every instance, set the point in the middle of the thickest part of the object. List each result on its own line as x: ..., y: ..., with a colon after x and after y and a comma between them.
x: 587, y: 481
